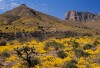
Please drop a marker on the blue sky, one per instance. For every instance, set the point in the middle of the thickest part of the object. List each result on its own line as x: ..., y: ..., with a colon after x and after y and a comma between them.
x: 53, y: 7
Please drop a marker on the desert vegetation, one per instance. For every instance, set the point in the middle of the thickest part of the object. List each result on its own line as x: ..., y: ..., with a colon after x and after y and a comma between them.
x: 31, y: 39
x: 71, y: 52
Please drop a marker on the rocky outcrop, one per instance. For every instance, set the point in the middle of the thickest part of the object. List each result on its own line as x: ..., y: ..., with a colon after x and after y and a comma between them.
x: 79, y: 16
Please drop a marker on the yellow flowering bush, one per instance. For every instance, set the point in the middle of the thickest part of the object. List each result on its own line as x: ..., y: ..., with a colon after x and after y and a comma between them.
x: 51, y: 61
x: 49, y: 58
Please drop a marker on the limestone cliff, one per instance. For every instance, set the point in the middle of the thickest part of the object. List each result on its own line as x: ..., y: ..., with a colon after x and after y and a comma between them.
x: 79, y: 16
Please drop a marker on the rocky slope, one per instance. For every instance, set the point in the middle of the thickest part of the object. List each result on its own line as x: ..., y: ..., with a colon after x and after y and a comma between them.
x: 24, y: 22
x: 94, y: 24
x: 79, y: 16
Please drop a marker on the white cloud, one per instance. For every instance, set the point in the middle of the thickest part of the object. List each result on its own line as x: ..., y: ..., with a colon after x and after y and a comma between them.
x: 1, y: 0
x: 2, y: 5
x: 7, y: 4
x: 13, y: 5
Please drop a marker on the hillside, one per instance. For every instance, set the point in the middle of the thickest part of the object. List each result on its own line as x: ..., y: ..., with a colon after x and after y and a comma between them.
x: 32, y: 39
x: 94, y: 24
x: 23, y: 21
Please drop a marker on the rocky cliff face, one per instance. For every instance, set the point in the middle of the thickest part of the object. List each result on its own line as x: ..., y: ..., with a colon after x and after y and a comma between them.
x: 79, y: 16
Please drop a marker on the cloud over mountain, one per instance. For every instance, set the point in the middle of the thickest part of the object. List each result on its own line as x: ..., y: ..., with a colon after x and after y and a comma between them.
x: 8, y: 4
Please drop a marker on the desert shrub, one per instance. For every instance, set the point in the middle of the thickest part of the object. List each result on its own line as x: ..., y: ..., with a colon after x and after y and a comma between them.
x: 35, y: 61
x: 80, y: 53
x: 70, y: 64
x: 6, y: 28
x: 11, y: 38
x: 5, y: 54
x: 53, y: 44
x: 69, y: 42
x: 96, y: 42
x: 74, y: 61
x: 87, y: 46
x: 3, y: 43
x: 61, y: 54
x: 86, y: 54
x: 75, y: 45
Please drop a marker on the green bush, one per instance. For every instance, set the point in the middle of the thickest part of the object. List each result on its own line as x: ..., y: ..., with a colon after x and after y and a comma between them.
x: 35, y: 61
x: 74, y: 61
x: 69, y: 42
x: 54, y: 44
x: 70, y: 64
x: 86, y: 54
x: 5, y: 54
x: 75, y: 45
x: 2, y: 43
x: 61, y: 54
x: 87, y: 46
x: 96, y: 42
x: 80, y: 53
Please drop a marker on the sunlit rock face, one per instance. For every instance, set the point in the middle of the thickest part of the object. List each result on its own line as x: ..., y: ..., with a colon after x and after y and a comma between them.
x: 79, y: 16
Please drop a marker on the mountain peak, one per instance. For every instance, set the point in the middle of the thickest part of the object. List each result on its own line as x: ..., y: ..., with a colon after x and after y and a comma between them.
x: 23, y: 4
x: 21, y: 11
